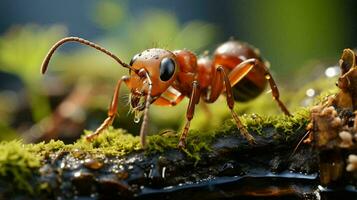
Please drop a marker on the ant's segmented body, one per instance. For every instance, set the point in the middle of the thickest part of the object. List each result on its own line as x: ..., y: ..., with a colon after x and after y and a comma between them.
x: 164, y: 78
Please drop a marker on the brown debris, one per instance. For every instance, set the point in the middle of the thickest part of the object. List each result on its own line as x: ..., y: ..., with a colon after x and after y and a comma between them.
x: 333, y: 125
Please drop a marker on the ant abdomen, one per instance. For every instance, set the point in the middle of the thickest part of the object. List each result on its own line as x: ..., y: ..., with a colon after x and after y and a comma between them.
x: 232, y: 53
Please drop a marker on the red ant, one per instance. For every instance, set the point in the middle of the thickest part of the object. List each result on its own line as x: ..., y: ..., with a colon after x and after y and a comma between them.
x: 164, y: 78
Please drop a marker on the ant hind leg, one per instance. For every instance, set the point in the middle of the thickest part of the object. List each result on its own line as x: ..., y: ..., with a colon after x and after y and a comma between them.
x: 275, y: 92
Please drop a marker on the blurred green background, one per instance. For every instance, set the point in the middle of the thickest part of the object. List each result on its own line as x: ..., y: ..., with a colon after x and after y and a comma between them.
x: 301, y: 39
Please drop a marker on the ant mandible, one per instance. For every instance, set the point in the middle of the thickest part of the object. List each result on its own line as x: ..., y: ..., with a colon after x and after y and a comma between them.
x: 164, y: 78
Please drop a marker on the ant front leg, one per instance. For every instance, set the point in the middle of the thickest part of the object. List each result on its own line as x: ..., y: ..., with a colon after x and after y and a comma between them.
x: 111, y: 111
x: 144, y: 125
x: 195, y: 97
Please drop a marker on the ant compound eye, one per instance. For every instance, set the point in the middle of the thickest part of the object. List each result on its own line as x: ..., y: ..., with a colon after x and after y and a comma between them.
x: 134, y: 59
x: 167, y: 69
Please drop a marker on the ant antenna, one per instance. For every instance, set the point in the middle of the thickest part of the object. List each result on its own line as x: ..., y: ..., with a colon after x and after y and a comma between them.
x: 82, y: 41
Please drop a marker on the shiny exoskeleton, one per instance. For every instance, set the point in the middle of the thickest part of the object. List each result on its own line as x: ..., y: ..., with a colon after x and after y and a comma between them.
x: 163, y: 77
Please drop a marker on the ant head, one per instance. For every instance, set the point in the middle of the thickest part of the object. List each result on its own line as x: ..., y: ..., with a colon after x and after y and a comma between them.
x: 152, y: 71
x: 159, y: 65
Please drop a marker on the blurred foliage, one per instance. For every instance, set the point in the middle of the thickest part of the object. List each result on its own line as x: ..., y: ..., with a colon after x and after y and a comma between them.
x: 108, y: 14
x: 8, y: 102
x: 7, y: 133
x: 22, y: 51
x: 289, y: 33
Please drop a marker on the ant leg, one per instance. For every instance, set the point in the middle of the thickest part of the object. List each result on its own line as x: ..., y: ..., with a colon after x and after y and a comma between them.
x: 195, y: 97
x: 241, y: 70
x: 163, y: 101
x: 230, y: 103
x: 144, y: 125
x: 219, y: 78
x: 111, y: 111
x: 170, y: 97
x: 235, y: 75
x: 275, y: 92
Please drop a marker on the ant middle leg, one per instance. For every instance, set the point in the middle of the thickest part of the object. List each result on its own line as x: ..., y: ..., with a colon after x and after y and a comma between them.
x: 221, y: 78
x: 230, y: 103
x: 111, y: 111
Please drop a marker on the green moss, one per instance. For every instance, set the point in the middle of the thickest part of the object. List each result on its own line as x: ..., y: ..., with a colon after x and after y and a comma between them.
x: 282, y: 123
x: 111, y: 142
x: 197, y: 142
x: 43, y: 148
x: 17, y: 162
x: 117, y: 142
x: 160, y: 143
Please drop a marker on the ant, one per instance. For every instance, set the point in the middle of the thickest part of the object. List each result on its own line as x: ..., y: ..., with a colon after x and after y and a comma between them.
x: 162, y: 77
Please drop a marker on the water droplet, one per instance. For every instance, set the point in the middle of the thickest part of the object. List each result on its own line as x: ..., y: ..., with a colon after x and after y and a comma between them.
x: 77, y: 174
x: 93, y: 164
x: 332, y: 71
x: 63, y: 165
x: 122, y: 175
x: 168, y: 187
x: 163, y: 173
x: 310, y: 92
x: 136, y: 119
x: 151, y: 176
x: 77, y: 153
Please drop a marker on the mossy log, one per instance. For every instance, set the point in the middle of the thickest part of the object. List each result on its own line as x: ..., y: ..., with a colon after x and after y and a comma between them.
x: 216, y: 164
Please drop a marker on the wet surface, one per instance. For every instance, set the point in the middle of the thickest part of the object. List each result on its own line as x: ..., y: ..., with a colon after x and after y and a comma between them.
x: 232, y: 169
